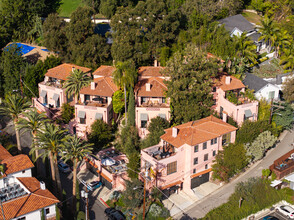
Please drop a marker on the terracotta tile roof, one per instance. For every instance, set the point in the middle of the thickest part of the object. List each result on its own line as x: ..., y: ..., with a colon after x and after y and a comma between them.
x: 234, y: 83
x: 4, y: 153
x: 104, y: 70
x: 35, y: 200
x: 104, y: 86
x: 150, y: 71
x: 157, y: 87
x: 63, y: 71
x: 16, y: 164
x: 196, y: 132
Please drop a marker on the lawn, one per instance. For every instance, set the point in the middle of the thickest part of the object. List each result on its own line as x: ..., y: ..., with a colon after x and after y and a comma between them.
x: 252, y: 17
x: 269, y: 70
x: 68, y: 6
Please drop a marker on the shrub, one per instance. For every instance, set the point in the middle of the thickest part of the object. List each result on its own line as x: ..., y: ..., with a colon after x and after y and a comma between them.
x: 100, y: 134
x: 250, y: 130
x: 67, y: 112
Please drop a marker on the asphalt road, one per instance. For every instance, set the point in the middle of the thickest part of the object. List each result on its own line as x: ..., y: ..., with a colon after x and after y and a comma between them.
x: 220, y: 196
x: 95, y: 207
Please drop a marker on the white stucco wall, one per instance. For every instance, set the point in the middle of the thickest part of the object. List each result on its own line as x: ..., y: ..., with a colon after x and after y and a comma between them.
x: 265, y: 91
x: 36, y: 215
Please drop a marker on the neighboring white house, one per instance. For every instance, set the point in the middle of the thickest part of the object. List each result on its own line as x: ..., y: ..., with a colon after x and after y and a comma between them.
x: 22, y: 196
x: 237, y: 24
x: 262, y: 88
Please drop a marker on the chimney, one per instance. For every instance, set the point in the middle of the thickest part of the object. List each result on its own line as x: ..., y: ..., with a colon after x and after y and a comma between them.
x: 228, y: 80
x: 148, y: 87
x: 73, y: 68
x: 42, y: 185
x: 93, y: 85
x: 175, y: 132
x: 155, y: 63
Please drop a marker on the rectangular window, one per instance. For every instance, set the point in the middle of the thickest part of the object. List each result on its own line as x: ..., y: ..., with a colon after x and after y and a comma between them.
x: 143, y: 124
x: 213, y: 153
x: 87, y: 97
x: 47, y: 211
x: 271, y: 95
x: 83, y: 121
x: 206, y: 166
x: 213, y: 141
x: 23, y: 171
x: 22, y: 218
x: 195, y: 160
x: 214, y: 89
x: 194, y: 170
x: 205, y: 157
x: 172, y: 168
x: 196, y: 148
x: 226, y: 139
x: 204, y: 146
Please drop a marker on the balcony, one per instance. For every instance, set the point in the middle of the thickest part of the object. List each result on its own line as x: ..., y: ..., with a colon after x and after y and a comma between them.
x: 239, y: 98
x: 155, y: 104
x: 160, y: 152
x: 93, y: 104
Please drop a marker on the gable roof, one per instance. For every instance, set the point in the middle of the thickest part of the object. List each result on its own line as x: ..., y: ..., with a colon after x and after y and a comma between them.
x: 104, y: 70
x: 196, y: 132
x: 254, y: 82
x: 237, y: 21
x: 16, y: 163
x: 4, y: 153
x: 35, y: 200
x: 157, y: 87
x: 150, y: 71
x: 104, y: 86
x: 234, y: 83
x: 64, y: 70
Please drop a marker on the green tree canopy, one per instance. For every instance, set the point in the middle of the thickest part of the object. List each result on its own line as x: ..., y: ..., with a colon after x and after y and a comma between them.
x: 118, y: 101
x: 100, y: 135
x: 190, y: 84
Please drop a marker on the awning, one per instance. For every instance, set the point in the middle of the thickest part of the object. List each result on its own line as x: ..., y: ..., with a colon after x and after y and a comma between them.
x: 275, y: 183
x: 43, y: 93
x: 144, y: 117
x: 81, y: 114
x: 162, y: 116
x: 55, y: 97
x: 98, y: 116
x: 170, y: 185
x: 248, y: 113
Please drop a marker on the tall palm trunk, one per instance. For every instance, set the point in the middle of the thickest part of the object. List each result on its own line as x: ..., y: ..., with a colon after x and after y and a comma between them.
x: 126, y: 111
x: 38, y: 162
x: 74, y: 185
x: 17, y: 135
x: 53, y: 173
x: 58, y: 182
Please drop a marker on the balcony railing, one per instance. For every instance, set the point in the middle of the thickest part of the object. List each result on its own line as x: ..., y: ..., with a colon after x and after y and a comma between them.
x: 154, y: 104
x: 93, y: 104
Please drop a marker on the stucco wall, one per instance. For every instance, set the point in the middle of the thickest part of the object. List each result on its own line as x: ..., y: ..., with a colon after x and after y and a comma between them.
x: 51, y: 90
x: 264, y: 92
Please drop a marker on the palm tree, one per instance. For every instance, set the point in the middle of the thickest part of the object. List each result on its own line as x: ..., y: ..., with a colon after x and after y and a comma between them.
x: 75, y: 150
x: 125, y: 76
x: 268, y: 31
x: 14, y: 106
x: 287, y: 59
x: 51, y: 140
x: 245, y: 48
x: 282, y: 40
x: 33, y: 122
x: 75, y: 82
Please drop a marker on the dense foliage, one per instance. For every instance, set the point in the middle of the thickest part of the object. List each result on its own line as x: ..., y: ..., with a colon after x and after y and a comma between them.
x: 256, y: 194
x: 190, y: 84
x: 100, y: 135
x: 67, y: 112
x: 230, y: 161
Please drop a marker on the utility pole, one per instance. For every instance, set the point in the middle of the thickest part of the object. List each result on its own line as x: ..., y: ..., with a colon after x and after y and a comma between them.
x: 85, y: 195
x: 146, y: 175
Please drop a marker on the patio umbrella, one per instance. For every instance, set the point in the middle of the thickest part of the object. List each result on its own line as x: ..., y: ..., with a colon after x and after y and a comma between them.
x: 108, y: 161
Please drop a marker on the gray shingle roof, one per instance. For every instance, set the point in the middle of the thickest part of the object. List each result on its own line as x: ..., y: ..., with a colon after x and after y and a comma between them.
x: 254, y: 82
x: 237, y: 21
x: 254, y: 36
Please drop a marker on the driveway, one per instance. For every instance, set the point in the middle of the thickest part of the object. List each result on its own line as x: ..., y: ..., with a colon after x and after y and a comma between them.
x: 220, y: 196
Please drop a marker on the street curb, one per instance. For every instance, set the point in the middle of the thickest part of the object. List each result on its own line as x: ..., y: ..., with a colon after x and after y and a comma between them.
x: 104, y: 203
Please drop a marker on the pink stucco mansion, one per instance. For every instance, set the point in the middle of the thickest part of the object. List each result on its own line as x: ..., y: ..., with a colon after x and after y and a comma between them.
x: 183, y: 158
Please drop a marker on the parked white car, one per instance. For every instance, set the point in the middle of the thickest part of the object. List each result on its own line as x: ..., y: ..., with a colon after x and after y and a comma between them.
x: 286, y: 210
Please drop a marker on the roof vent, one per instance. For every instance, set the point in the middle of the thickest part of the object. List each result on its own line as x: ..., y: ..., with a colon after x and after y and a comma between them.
x: 42, y: 185
x: 93, y: 85
x: 175, y: 132
x: 228, y: 80
x: 148, y: 87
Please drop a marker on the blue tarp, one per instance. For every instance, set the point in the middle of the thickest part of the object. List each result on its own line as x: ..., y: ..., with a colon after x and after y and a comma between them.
x: 24, y: 49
